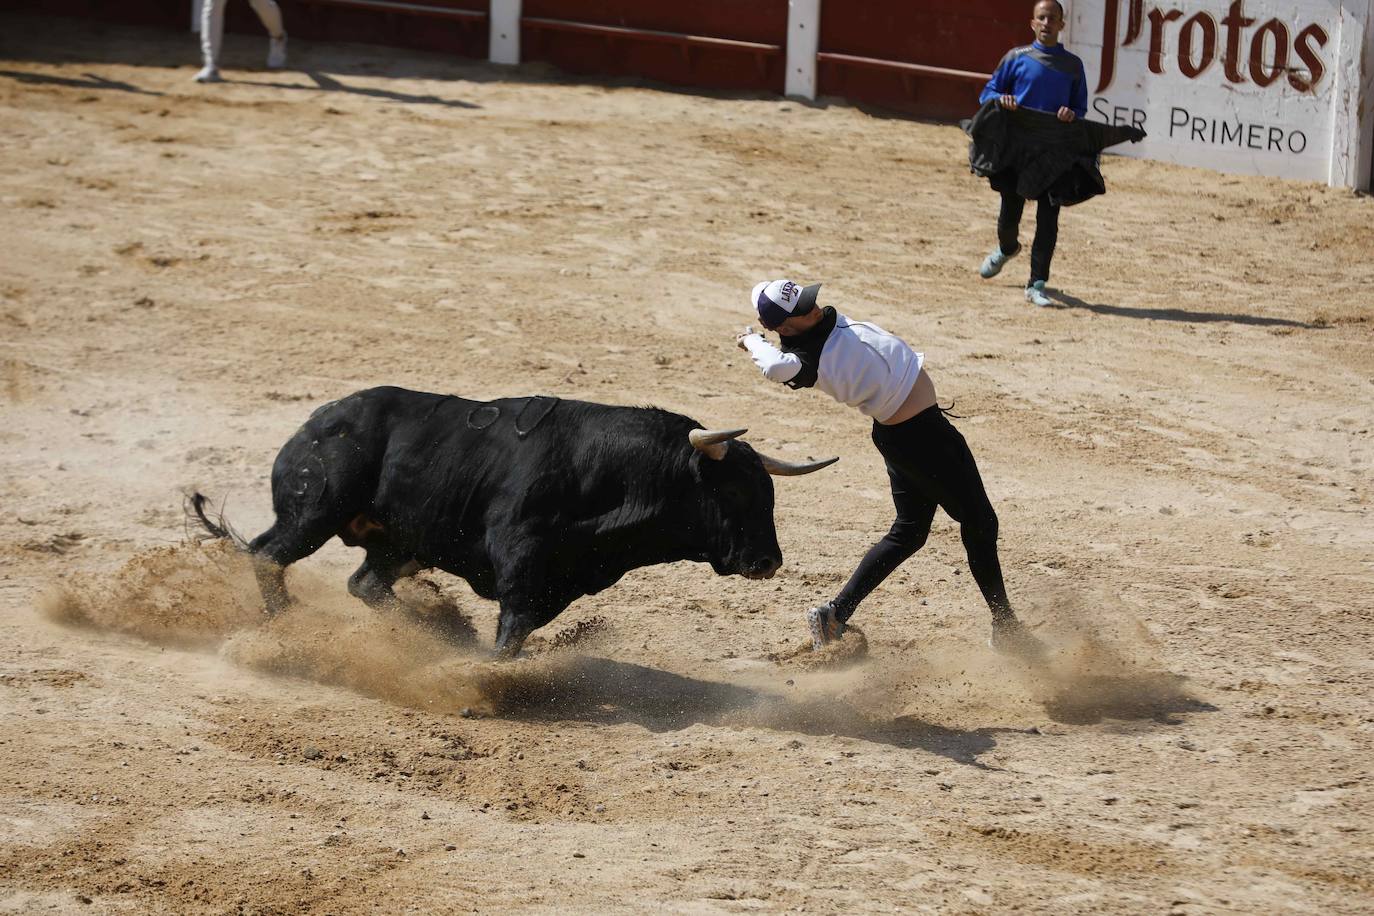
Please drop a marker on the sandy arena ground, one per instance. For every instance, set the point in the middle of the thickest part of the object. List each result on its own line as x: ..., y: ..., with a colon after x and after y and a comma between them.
x: 1180, y: 456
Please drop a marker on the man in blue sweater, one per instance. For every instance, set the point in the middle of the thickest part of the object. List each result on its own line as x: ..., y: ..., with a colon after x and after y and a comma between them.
x: 1045, y: 76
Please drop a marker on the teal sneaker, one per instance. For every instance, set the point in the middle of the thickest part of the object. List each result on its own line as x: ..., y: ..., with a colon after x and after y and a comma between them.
x: 994, y: 262
x: 1035, y: 294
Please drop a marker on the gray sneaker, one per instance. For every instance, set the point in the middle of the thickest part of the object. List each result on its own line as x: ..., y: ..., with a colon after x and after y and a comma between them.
x: 825, y: 626
x: 994, y: 262
x: 207, y: 74
x: 1035, y: 294
x: 276, y: 52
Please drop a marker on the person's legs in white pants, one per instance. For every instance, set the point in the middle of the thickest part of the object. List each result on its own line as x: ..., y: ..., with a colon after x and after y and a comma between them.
x: 212, y: 35
x: 270, y: 14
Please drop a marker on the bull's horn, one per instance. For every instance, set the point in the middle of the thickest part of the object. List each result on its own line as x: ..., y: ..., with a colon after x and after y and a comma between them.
x: 713, y: 441
x: 779, y: 468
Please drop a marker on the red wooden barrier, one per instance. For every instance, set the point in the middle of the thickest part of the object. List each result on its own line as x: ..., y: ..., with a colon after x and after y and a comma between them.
x: 867, y: 51
x: 716, y: 44
x: 924, y: 57
x: 448, y: 26
x: 133, y: 12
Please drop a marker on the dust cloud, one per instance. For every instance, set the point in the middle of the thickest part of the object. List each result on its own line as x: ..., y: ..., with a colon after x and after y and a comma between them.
x: 186, y: 596
x: 425, y: 654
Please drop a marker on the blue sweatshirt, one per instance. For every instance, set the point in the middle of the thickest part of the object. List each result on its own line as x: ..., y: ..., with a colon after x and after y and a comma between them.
x: 1040, y: 77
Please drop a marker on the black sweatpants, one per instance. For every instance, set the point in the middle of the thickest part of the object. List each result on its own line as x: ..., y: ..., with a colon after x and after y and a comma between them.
x: 929, y: 465
x: 1046, y: 231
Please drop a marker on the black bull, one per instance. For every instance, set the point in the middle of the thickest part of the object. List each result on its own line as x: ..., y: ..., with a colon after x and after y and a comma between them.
x: 534, y: 501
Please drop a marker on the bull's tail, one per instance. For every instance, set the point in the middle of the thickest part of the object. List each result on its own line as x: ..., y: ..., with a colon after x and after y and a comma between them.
x: 214, y: 530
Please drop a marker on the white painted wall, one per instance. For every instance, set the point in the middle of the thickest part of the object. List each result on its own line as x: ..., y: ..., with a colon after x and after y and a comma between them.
x: 803, y: 40
x: 505, y: 32
x: 1352, y: 142
x: 1313, y: 121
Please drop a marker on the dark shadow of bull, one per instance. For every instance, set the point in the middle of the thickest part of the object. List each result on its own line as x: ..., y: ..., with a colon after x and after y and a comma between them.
x: 608, y: 692
x: 534, y: 501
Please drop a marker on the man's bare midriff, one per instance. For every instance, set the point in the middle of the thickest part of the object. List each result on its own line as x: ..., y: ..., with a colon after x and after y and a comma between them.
x: 921, y: 397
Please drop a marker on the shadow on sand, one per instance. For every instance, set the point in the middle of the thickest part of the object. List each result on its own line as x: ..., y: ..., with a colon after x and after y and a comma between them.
x: 326, y: 83
x: 88, y: 81
x: 604, y: 691
x: 1087, y: 700
x: 608, y: 692
x: 1184, y: 315
x: 323, y: 83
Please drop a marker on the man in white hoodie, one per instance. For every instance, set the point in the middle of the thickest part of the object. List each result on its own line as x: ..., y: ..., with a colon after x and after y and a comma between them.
x: 212, y: 35
x: 929, y: 464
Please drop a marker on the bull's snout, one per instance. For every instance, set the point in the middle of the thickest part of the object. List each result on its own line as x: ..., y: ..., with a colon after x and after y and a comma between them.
x: 763, y: 568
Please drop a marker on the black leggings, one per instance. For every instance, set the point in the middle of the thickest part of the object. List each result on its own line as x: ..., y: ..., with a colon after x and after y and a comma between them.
x: 1046, y: 232
x: 929, y: 464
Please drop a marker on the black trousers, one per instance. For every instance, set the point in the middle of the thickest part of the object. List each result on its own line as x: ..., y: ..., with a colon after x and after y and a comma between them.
x: 1046, y: 231
x: 929, y: 465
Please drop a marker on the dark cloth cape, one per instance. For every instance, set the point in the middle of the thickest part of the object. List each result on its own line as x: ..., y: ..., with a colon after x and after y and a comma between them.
x: 1034, y: 154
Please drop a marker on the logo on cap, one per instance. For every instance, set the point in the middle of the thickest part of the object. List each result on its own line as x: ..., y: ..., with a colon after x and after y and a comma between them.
x: 779, y: 300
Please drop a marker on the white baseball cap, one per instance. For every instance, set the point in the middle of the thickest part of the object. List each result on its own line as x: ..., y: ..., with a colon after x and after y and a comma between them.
x: 778, y: 300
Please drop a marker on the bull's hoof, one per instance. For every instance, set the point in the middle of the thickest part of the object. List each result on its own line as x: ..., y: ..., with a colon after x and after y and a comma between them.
x: 422, y: 603
x: 279, y: 606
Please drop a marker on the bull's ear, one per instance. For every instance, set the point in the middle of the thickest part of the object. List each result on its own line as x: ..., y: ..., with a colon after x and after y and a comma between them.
x: 713, y: 442
x: 779, y: 468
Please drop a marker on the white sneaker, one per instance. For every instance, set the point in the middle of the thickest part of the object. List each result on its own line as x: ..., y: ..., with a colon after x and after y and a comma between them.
x: 825, y: 625
x: 276, y: 53
x: 992, y: 265
x: 208, y: 74
x: 1035, y: 294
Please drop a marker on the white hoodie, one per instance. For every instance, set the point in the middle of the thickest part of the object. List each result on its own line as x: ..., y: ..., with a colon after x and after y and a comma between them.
x: 860, y: 365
